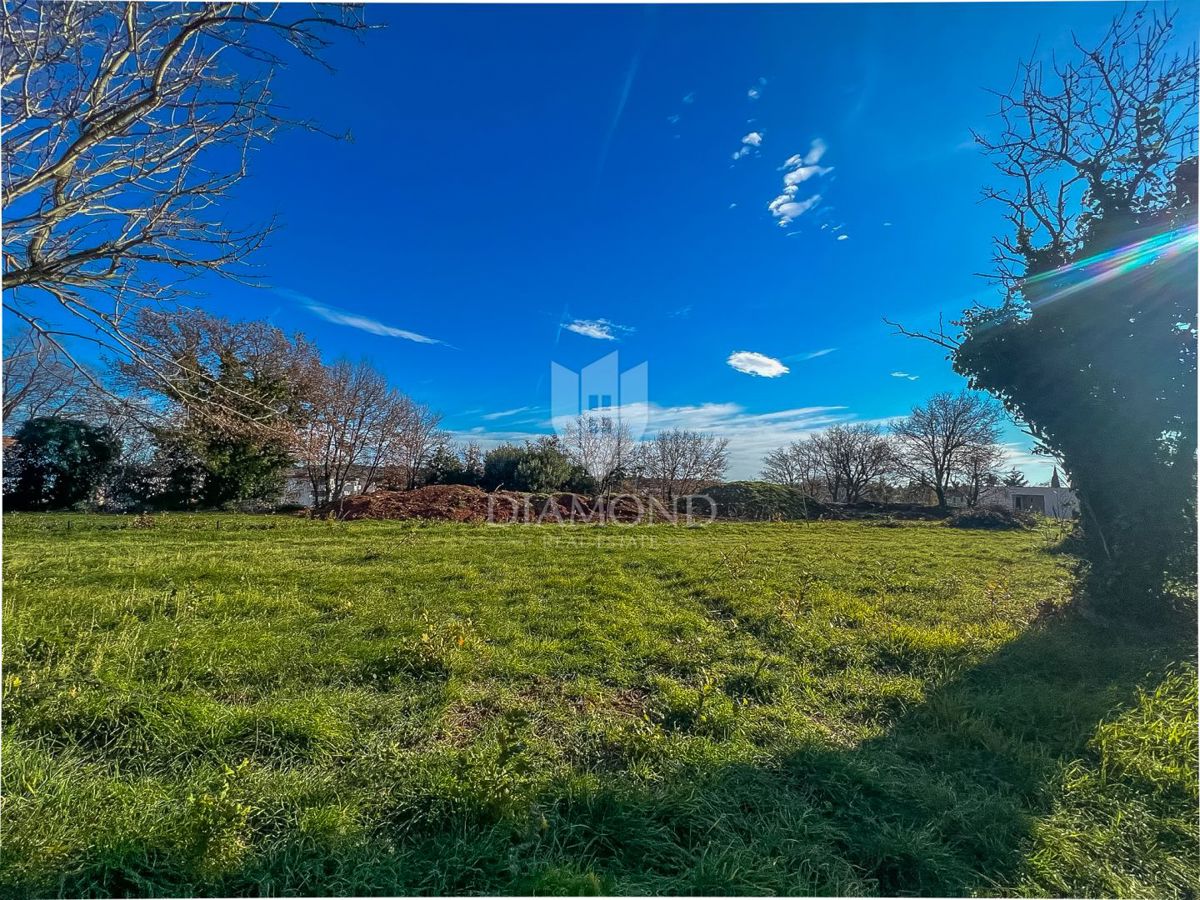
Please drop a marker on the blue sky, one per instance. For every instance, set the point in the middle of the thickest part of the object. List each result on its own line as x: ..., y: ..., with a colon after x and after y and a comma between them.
x: 517, y: 169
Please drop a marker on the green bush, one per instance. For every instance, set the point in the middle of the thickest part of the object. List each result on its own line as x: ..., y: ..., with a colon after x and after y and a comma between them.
x: 990, y: 517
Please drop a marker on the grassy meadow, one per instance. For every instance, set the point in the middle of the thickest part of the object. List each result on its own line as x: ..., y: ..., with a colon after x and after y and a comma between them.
x: 222, y: 704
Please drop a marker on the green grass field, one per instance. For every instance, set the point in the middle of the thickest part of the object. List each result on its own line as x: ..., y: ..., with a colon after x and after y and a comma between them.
x: 223, y: 704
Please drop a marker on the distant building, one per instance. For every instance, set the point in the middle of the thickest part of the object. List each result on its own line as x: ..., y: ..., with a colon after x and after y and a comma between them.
x: 1053, y: 500
x: 297, y: 489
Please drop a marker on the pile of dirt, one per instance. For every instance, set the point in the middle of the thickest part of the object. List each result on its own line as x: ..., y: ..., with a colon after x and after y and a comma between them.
x: 440, y: 503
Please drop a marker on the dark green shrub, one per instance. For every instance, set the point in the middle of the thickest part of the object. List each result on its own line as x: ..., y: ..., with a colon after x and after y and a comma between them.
x: 992, y: 518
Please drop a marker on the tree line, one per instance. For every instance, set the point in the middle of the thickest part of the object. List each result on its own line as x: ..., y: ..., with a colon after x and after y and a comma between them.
x: 947, y: 447
x: 231, y: 409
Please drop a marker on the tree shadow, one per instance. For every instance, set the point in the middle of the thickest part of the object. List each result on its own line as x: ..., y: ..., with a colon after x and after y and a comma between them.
x: 942, y: 802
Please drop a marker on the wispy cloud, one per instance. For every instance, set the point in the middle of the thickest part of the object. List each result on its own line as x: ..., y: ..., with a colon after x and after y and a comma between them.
x: 803, y: 173
x: 756, y: 364
x: 689, y: 97
x: 507, y: 413
x: 751, y: 435
x: 626, y: 86
x: 843, y: 237
x: 750, y: 143
x: 905, y: 375
x: 799, y: 168
x: 818, y: 353
x: 356, y: 320
x: 600, y: 329
x: 785, y: 208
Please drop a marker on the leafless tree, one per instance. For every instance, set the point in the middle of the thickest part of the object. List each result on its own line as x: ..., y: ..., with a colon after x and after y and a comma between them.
x: 682, y: 462
x: 1093, y: 143
x: 601, y: 445
x: 799, y: 464
x: 936, y: 440
x: 125, y: 127
x: 1114, y: 125
x: 37, y: 381
x: 978, y: 469
x: 354, y: 425
x: 416, y: 436
x: 852, y: 458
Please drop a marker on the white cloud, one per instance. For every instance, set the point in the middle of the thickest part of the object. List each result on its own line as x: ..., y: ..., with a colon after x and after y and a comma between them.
x: 673, y: 119
x: 362, y: 323
x: 756, y: 364
x: 506, y: 413
x: 740, y: 152
x: 754, y: 139
x: 689, y: 97
x: 887, y: 224
x: 905, y: 375
x: 785, y: 209
x: 797, y: 170
x: 600, y: 329
x: 843, y: 237
x: 803, y: 173
x: 754, y: 93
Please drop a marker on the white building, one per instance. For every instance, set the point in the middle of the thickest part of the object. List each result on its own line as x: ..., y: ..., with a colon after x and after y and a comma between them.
x: 297, y: 490
x: 1054, y: 500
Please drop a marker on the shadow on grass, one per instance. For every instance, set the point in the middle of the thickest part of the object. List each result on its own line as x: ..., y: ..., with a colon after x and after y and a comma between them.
x: 943, y: 803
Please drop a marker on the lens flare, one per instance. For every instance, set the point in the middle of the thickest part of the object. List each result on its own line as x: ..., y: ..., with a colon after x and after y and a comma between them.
x: 1087, y: 273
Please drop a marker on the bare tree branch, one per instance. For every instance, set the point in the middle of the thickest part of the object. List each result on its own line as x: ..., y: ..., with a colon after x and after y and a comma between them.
x: 126, y: 125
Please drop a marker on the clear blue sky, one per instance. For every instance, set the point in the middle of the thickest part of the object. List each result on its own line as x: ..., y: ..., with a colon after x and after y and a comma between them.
x: 517, y: 169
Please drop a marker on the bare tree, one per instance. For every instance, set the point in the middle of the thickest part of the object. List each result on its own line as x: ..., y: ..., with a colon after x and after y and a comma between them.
x: 125, y: 126
x: 355, y: 422
x: 799, y: 464
x: 978, y: 469
x: 37, y: 381
x: 1113, y: 127
x: 852, y: 457
x: 601, y: 445
x: 937, y: 439
x: 416, y: 437
x: 682, y: 462
x: 1086, y: 147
